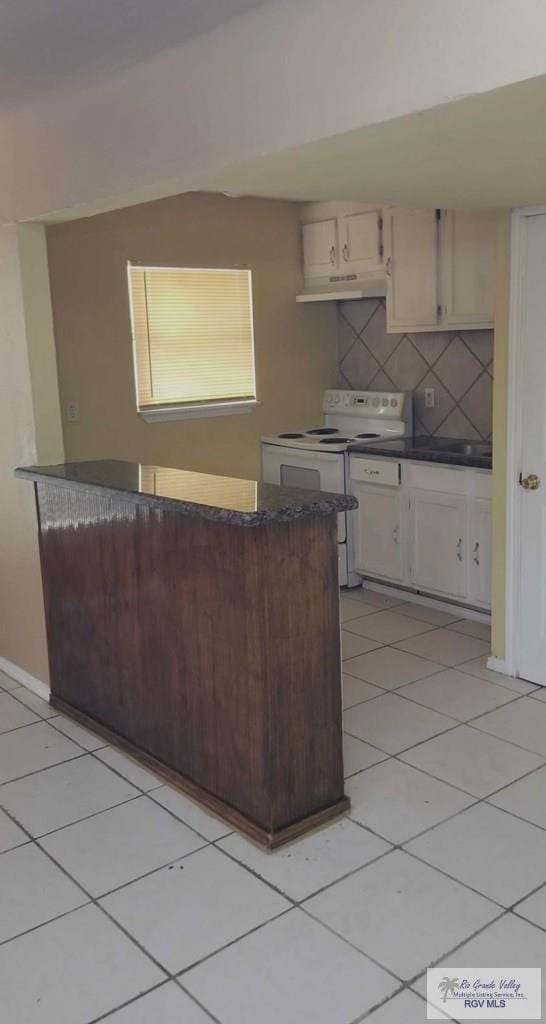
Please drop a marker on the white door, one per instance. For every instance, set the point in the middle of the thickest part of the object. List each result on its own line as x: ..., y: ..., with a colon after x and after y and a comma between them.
x: 412, y: 270
x: 379, y: 534
x: 529, y: 557
x: 467, y: 259
x: 479, y: 551
x: 360, y: 241
x: 320, y: 248
x: 437, y: 530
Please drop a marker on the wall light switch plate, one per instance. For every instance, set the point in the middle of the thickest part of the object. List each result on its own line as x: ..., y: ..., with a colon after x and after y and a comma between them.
x: 430, y: 398
x: 72, y: 412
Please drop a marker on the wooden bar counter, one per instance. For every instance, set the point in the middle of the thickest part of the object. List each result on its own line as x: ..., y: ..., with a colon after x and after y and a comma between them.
x: 193, y: 620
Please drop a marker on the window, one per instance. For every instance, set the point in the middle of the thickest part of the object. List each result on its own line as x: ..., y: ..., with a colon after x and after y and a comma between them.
x: 193, y: 341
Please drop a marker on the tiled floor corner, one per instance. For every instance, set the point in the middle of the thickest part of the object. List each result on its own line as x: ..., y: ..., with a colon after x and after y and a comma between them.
x: 133, y: 904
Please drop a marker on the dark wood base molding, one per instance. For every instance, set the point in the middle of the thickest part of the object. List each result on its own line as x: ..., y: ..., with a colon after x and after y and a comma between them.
x: 259, y: 835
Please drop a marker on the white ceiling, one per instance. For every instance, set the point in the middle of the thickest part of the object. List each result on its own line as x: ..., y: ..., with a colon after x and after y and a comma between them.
x: 49, y: 43
x: 483, y: 151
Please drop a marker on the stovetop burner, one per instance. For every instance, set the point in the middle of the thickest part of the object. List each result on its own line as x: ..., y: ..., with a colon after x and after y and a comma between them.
x: 291, y: 435
x: 368, y: 435
x: 335, y: 440
x: 324, y: 430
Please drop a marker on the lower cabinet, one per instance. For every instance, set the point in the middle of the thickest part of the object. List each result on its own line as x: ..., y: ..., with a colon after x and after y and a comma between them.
x: 437, y: 532
x: 379, y: 535
x: 479, y: 552
x: 430, y: 532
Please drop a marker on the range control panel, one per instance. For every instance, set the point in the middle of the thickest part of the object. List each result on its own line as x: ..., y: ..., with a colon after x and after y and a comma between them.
x: 370, y: 403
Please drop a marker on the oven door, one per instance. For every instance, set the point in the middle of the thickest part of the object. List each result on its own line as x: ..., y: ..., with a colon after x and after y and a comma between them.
x: 316, y: 471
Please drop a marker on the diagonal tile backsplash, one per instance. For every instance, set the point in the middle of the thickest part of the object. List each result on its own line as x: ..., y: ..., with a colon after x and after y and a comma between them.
x: 458, y: 365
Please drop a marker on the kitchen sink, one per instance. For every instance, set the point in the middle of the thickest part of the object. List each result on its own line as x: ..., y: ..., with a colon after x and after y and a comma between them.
x: 478, y: 448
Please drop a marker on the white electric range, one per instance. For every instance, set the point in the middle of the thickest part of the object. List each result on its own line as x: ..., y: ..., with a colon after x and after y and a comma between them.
x: 316, y: 457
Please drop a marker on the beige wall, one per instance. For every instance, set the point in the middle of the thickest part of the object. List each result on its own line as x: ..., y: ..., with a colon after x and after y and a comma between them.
x: 30, y: 431
x: 296, y: 346
x: 500, y: 399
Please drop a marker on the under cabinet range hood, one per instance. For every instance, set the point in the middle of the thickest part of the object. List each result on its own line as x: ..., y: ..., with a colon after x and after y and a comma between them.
x: 348, y: 286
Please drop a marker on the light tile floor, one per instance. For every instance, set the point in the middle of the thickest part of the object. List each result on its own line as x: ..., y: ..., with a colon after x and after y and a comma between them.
x: 123, y: 901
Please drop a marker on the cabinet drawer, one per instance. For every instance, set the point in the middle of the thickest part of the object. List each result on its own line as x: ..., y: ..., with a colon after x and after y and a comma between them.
x: 375, y: 471
x: 436, y: 478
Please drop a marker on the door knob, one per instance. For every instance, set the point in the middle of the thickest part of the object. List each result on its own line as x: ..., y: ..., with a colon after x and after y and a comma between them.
x: 530, y: 483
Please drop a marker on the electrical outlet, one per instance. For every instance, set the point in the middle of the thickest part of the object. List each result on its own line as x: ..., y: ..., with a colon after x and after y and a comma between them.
x: 430, y: 398
x: 72, y: 412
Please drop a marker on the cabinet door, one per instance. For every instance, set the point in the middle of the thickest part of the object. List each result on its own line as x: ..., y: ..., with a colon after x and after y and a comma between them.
x: 379, y: 536
x: 479, y: 552
x: 467, y: 256
x: 320, y: 248
x: 437, y: 529
x: 360, y: 241
x: 412, y: 270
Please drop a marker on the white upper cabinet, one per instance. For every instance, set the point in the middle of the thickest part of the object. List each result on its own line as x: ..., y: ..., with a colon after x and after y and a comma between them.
x: 341, y: 239
x: 468, y: 268
x: 440, y: 269
x: 360, y: 241
x: 320, y: 247
x: 412, y: 270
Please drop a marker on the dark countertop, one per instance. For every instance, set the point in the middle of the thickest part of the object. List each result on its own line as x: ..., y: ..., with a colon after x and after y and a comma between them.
x: 220, y: 498
x: 423, y: 448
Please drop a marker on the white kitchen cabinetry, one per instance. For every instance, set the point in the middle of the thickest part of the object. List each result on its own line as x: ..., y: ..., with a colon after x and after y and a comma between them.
x: 432, y: 533
x: 468, y: 268
x: 479, y: 552
x: 360, y: 240
x: 412, y: 270
x: 379, y: 535
x: 437, y: 531
x: 440, y: 269
x: 320, y: 247
x: 341, y: 239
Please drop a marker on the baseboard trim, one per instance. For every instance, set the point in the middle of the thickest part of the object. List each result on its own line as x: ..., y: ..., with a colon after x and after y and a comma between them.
x: 24, y: 678
x: 498, y: 665
x: 462, y: 611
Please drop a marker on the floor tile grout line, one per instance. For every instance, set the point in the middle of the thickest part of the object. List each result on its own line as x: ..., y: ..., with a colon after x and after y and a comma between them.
x: 42, y: 924
x: 37, y: 771
x: 484, y: 732
x: 368, y: 956
x: 232, y: 942
x: 423, y: 679
x: 137, y: 998
x: 77, y: 821
x: 328, y: 885
x: 405, y: 750
x: 461, y: 721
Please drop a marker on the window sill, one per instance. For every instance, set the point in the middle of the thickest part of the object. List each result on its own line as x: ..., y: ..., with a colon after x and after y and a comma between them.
x: 192, y: 412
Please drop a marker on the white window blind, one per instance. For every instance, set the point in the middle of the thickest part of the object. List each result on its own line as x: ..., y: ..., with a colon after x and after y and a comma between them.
x: 192, y: 336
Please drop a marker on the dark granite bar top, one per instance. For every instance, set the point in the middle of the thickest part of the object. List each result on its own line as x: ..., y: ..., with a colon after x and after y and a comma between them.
x: 223, y: 499
x: 423, y: 448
